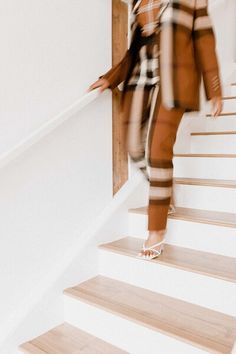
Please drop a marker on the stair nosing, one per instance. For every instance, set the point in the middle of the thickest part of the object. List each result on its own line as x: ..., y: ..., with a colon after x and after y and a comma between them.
x: 207, y: 155
x: 225, y: 114
x: 213, y: 133
x: 229, y: 98
x: 207, y: 182
x: 190, y: 218
x: 203, y: 221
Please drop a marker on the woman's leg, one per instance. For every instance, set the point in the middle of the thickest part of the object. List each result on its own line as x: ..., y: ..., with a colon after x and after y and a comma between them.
x: 135, y: 117
x: 162, y: 136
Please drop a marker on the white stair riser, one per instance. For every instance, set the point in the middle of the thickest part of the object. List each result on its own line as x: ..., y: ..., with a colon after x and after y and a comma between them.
x: 121, y: 332
x: 184, y: 285
x: 205, y: 197
x: 227, y: 90
x: 205, y: 167
x: 199, y: 236
x: 221, y: 123
x: 229, y: 106
x: 233, y: 90
x: 213, y: 144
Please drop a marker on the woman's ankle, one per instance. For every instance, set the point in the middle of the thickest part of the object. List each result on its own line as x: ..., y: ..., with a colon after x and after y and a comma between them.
x: 157, y: 234
x: 162, y: 231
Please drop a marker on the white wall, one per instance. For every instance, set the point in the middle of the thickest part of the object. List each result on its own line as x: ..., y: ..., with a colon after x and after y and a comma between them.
x: 51, y: 50
x: 223, y: 13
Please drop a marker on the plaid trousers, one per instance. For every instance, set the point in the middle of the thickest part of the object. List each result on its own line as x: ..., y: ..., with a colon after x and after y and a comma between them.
x: 149, y: 133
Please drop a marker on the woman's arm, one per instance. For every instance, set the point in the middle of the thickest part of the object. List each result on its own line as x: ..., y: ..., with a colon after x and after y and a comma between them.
x: 113, y: 77
x: 205, y: 49
x: 118, y: 72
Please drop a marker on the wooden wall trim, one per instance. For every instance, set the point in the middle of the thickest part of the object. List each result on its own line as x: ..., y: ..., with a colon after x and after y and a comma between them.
x: 119, y: 47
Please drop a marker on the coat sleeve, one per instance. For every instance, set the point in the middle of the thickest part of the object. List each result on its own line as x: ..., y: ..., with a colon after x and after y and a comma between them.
x: 205, y: 50
x: 118, y: 72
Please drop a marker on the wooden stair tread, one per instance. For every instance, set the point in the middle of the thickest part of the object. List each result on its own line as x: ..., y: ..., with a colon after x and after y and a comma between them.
x: 232, y: 132
x: 67, y: 339
x: 206, y: 155
x: 229, y: 98
x: 197, y: 215
x: 201, y: 327
x: 205, y: 263
x: 206, y: 182
x: 222, y: 114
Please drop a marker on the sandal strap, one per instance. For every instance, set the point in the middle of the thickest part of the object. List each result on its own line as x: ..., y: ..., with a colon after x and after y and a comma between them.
x: 158, y: 252
x: 150, y: 248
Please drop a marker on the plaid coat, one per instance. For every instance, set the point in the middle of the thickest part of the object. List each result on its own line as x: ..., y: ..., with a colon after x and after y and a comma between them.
x: 187, y: 55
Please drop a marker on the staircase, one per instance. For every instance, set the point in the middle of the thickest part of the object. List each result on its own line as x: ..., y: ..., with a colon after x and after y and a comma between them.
x: 184, y: 302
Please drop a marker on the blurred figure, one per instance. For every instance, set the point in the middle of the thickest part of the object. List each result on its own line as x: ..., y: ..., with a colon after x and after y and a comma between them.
x: 172, y: 48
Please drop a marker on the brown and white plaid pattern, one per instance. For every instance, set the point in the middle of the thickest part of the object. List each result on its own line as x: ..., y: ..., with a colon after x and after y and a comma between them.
x: 186, y: 45
x: 143, y: 82
x: 145, y: 71
x: 138, y: 120
x: 192, y: 17
x: 149, y: 10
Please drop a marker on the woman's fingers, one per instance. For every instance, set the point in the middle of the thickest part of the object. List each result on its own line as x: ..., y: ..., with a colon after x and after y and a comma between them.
x: 102, y: 84
x: 94, y: 85
x: 217, y: 106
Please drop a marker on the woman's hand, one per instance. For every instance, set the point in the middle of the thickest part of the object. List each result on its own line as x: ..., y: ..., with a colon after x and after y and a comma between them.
x: 217, y: 106
x: 103, y: 84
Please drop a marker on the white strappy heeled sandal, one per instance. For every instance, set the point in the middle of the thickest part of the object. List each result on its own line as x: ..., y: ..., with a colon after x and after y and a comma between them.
x: 156, y: 254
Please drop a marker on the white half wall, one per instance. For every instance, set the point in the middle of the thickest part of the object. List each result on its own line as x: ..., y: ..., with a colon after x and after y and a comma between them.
x: 51, y: 50
x: 49, y: 195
